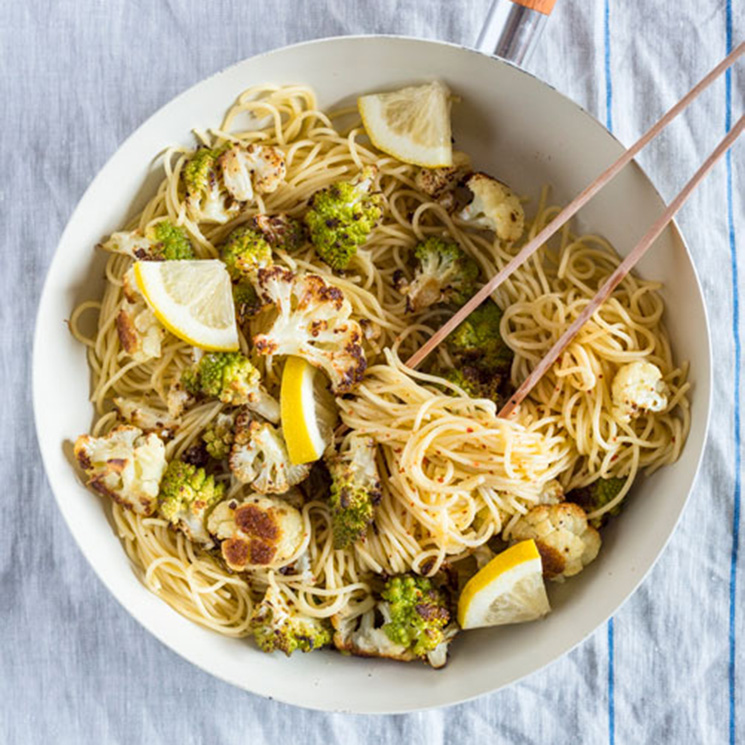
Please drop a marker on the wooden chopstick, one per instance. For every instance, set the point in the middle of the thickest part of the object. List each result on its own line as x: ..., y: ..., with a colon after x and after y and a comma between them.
x: 570, y: 210
x: 623, y: 269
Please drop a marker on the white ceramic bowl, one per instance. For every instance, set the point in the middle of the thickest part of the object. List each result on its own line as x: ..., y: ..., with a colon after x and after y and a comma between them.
x: 515, y: 127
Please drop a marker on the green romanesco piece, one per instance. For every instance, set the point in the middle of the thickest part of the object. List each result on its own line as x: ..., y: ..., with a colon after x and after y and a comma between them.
x: 218, y: 437
x: 186, y: 496
x: 477, y: 341
x: 355, y: 491
x: 596, y: 495
x: 445, y: 274
x: 418, y: 613
x: 244, y: 252
x: 276, y: 626
x: 342, y: 216
x: 352, y: 511
x: 477, y: 383
x: 246, y: 300
x: 171, y: 242
x: 229, y: 376
x: 200, y: 170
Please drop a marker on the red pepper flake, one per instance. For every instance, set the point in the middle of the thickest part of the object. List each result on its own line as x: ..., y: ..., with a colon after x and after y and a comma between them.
x: 441, y: 479
x: 476, y: 464
x: 614, y: 458
x: 469, y: 430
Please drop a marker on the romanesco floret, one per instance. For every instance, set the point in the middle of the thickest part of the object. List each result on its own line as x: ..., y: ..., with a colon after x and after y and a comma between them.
x: 281, y: 231
x: 259, y: 457
x: 477, y: 341
x: 207, y: 199
x: 218, y: 436
x: 342, y: 216
x: 187, y: 494
x: 312, y: 320
x: 444, y: 274
x: 410, y: 621
x: 355, y: 490
x: 278, y: 626
x: 171, y: 242
x: 494, y: 207
x: 418, y: 613
x: 596, y: 495
x: 244, y: 252
x: 124, y: 464
x: 477, y: 383
x: 246, y: 301
x: 162, y: 241
x: 232, y: 378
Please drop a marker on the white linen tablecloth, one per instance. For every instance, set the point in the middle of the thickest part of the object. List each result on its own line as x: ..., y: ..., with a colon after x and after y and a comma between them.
x: 77, y: 77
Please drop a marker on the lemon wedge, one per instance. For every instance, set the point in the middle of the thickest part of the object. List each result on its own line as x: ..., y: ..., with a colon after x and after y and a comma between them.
x: 412, y: 124
x: 307, y: 409
x: 509, y: 589
x: 192, y: 299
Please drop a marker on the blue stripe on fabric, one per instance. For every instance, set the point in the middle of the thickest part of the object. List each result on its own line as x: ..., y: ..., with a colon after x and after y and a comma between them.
x: 608, y: 81
x: 609, y: 125
x: 611, y: 696
x: 738, y: 358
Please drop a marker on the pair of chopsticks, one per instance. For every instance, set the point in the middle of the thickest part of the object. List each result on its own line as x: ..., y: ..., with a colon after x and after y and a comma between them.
x: 568, y: 212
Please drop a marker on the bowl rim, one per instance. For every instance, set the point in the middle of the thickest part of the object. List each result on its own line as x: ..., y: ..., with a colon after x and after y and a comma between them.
x: 37, y: 376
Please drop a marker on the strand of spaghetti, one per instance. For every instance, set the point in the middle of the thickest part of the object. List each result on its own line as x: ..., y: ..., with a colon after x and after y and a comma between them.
x: 572, y: 208
x: 623, y: 269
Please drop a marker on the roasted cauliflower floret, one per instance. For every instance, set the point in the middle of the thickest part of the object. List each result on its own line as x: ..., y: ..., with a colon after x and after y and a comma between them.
x: 638, y: 387
x: 278, y: 626
x: 244, y: 252
x: 232, y: 378
x: 493, y: 207
x: 187, y: 494
x: 140, y: 333
x: 125, y: 465
x: 566, y: 542
x: 249, y: 169
x: 440, y: 183
x: 478, y: 342
x: 597, y: 495
x: 552, y: 493
x: 341, y: 217
x: 161, y: 241
x: 146, y: 417
x: 444, y: 274
x: 312, y: 319
x: 178, y: 399
x: 355, y: 490
x: 281, y: 231
x: 411, y: 621
x: 256, y: 532
x: 207, y: 198
x: 259, y: 457
x: 218, y: 436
